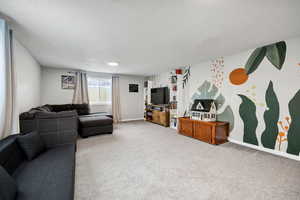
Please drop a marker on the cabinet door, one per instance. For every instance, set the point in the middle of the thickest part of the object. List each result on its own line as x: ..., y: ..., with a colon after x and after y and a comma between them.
x: 186, y: 127
x: 155, y: 116
x: 162, y: 117
x: 202, y: 132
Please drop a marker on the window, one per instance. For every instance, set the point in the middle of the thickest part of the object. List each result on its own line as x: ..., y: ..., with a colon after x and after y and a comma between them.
x: 99, y: 90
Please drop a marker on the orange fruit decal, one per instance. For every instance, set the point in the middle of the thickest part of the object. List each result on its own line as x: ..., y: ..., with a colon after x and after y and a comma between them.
x: 238, y: 76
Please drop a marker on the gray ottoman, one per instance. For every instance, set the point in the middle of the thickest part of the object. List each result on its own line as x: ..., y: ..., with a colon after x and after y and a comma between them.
x: 90, y: 125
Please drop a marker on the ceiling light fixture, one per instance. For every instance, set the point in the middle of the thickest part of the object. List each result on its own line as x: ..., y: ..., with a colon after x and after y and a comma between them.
x: 113, y: 64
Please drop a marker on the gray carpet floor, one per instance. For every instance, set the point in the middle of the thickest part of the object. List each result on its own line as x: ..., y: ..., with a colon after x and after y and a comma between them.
x: 142, y: 160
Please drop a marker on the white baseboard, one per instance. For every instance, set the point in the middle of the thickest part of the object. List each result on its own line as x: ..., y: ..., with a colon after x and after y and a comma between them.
x: 128, y: 120
x: 278, y: 153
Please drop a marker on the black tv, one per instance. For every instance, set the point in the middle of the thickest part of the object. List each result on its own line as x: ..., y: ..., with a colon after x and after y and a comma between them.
x: 160, y: 96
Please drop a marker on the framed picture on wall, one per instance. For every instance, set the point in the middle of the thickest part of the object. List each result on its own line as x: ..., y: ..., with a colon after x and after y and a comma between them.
x: 67, y: 82
x: 133, y: 88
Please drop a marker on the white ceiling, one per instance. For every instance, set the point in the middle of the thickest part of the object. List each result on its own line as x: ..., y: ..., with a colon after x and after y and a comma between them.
x: 146, y: 36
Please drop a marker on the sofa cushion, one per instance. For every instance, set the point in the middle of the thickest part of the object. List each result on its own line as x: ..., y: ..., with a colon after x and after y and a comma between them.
x: 48, y: 177
x: 28, y: 115
x: 95, y: 120
x: 31, y: 144
x: 11, y: 155
x: 44, y: 108
x: 8, y: 187
x: 82, y: 109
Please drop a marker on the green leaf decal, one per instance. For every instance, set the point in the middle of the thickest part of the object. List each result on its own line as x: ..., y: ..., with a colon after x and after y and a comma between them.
x: 293, y: 133
x: 276, y: 54
x: 186, y: 75
x: 271, y: 117
x: 255, y: 59
x: 227, y: 116
x: 248, y: 114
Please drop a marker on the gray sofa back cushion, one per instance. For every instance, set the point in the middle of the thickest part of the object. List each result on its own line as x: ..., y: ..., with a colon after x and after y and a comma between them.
x: 8, y: 187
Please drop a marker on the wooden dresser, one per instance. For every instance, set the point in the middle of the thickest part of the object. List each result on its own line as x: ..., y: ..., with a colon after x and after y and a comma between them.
x: 160, y: 117
x: 210, y: 132
x: 158, y: 114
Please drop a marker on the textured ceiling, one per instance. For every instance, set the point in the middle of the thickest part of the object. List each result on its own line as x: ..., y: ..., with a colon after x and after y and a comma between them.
x: 146, y: 37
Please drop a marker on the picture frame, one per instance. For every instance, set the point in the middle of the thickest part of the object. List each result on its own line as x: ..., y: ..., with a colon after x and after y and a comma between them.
x: 133, y: 88
x: 67, y: 82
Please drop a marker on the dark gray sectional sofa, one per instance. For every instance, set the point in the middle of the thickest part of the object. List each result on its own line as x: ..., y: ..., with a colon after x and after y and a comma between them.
x: 50, y: 176
x: 65, y: 120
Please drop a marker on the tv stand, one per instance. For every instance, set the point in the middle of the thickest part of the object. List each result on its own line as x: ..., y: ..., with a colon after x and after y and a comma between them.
x: 158, y: 114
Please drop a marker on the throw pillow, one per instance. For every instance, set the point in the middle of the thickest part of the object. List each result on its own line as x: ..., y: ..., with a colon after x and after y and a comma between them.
x: 8, y: 187
x: 32, y: 144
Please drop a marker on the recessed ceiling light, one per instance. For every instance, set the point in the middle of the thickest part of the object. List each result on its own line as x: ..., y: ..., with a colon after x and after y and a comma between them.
x: 113, y: 64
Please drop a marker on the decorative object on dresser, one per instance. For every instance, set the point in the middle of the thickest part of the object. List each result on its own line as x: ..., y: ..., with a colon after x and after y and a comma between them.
x: 204, y: 110
x: 210, y: 132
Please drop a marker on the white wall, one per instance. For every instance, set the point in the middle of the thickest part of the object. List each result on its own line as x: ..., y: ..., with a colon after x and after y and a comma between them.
x: 132, y: 104
x: 160, y: 80
x: 51, y: 91
x: 28, y: 78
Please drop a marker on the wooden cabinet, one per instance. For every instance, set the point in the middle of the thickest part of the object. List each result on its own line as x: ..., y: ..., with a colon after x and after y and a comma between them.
x: 202, y: 132
x: 210, y: 132
x: 186, y: 127
x: 155, y: 116
x: 159, y: 117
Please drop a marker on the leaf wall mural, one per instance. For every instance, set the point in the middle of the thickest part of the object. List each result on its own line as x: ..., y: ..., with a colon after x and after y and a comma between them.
x: 294, y: 129
x: 276, y: 54
x: 271, y: 117
x: 207, y: 90
x: 186, y: 76
x: 247, y: 112
x: 255, y: 59
x: 227, y: 115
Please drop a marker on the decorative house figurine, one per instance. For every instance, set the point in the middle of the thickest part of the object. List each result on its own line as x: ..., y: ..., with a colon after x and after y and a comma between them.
x: 204, y: 110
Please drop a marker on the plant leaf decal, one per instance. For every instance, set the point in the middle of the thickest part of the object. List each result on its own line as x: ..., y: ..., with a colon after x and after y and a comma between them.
x: 186, y: 75
x: 255, y: 59
x: 247, y: 112
x: 276, y: 54
x: 293, y: 134
x: 271, y: 117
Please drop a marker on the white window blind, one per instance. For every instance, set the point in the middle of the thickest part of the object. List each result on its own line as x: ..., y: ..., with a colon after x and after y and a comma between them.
x: 99, y: 90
